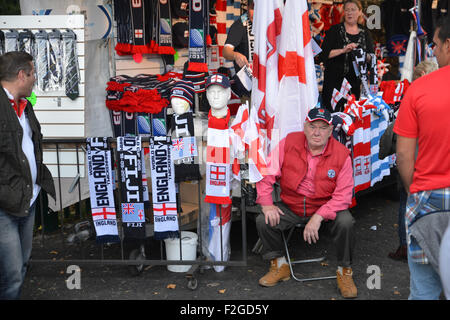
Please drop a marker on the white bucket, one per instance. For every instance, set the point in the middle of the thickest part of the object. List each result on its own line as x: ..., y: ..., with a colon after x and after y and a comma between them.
x: 189, y: 250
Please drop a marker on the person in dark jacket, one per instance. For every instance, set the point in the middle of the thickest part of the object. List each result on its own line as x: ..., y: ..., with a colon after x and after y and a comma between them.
x: 22, y: 172
x: 340, y: 40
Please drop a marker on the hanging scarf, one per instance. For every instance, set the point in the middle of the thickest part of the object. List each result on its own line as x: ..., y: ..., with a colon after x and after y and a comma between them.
x: 130, y: 173
x: 360, y: 65
x: 218, y: 169
x: 101, y: 190
x: 250, y: 36
x: 139, y: 27
x: 135, y: 26
x: 163, y: 189
x: 197, y: 47
x: 116, y: 120
x: 129, y: 124
x: 184, y: 148
x: 165, y: 46
x: 159, y: 123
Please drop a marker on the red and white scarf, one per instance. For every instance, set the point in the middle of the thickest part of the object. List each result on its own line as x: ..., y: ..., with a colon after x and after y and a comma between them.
x: 218, y: 168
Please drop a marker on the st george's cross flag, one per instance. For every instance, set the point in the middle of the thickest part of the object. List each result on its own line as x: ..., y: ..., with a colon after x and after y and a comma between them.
x: 298, y: 92
x: 267, y: 23
x: 238, y: 145
x: 335, y: 98
x: 345, y: 89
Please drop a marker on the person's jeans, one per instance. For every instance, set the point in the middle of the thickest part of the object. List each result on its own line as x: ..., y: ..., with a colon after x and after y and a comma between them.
x: 403, y: 197
x: 16, y: 237
x: 424, y: 281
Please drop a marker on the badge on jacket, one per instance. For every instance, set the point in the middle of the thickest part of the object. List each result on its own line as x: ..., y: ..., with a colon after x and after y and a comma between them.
x: 331, y: 173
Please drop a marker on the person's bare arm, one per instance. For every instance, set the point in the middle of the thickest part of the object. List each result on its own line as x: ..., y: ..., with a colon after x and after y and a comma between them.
x: 230, y: 54
x: 406, y: 149
x: 338, y: 52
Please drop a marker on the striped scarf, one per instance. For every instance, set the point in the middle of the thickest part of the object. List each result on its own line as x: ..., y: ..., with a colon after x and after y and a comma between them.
x: 218, y: 169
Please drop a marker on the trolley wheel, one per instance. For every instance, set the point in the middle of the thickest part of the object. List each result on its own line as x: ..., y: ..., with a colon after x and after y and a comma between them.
x: 192, y: 283
x: 136, y: 270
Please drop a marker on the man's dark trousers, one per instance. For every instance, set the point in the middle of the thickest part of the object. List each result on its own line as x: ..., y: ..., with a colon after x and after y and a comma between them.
x: 341, y: 230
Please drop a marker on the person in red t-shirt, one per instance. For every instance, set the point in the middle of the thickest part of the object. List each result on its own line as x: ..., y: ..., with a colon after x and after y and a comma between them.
x: 424, y: 118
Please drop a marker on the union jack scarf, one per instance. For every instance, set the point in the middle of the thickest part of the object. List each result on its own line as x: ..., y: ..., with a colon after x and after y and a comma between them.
x: 101, y: 190
x: 130, y: 175
x: 218, y: 168
x: 184, y: 148
x: 163, y: 188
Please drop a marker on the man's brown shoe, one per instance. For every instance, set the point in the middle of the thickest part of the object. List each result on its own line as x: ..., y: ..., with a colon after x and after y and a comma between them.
x: 275, y: 274
x: 345, y: 283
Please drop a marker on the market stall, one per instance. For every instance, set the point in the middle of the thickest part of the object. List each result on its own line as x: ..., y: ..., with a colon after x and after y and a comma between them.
x: 117, y: 140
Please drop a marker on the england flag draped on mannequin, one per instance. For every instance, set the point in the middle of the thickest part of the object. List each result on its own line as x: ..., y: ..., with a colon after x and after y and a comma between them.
x: 298, y: 91
x: 267, y: 22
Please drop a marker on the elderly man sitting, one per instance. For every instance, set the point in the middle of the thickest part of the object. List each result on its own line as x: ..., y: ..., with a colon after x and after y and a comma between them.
x: 316, y: 179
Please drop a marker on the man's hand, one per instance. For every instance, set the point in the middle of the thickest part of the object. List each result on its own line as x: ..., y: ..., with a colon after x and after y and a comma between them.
x: 311, y: 232
x: 240, y: 59
x: 272, y: 214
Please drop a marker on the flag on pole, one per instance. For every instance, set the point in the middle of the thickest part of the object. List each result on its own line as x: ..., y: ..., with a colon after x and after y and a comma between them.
x: 219, y: 233
x: 335, y: 98
x: 267, y: 25
x: 345, y: 89
x: 298, y: 92
x: 238, y: 145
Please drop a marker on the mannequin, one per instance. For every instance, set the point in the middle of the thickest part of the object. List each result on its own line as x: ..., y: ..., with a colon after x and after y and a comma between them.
x: 182, y: 97
x: 218, y: 168
x: 218, y: 98
x: 179, y: 106
x: 218, y: 93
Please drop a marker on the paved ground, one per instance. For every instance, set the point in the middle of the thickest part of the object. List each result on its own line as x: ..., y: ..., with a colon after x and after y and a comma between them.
x: 376, y: 223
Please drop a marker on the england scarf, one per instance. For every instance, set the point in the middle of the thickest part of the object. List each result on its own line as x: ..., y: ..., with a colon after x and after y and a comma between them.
x: 101, y: 190
x: 218, y: 168
x: 130, y: 172
x: 163, y: 188
x: 197, y: 45
x: 362, y: 152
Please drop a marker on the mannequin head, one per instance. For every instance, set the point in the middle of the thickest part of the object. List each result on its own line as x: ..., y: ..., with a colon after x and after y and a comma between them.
x: 182, y: 96
x: 218, y: 93
x: 179, y: 105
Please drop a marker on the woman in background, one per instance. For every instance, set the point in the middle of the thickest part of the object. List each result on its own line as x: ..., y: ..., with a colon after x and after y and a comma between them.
x: 339, y: 41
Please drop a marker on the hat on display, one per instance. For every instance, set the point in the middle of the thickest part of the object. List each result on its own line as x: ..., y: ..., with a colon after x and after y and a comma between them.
x: 218, y: 79
x: 319, y: 114
x: 183, y: 90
